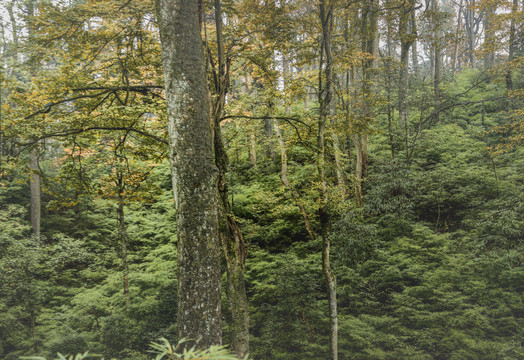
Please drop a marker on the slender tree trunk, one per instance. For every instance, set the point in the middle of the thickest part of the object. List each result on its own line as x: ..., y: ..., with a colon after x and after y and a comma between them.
x: 512, y: 45
x: 325, y: 100
x: 368, y: 38
x: 471, y: 27
x: 358, y: 169
x: 388, y: 63
x: 235, y: 255
x: 251, y: 133
x: 229, y: 231
x: 489, y: 38
x: 194, y: 173
x: 406, y: 40
x: 437, y: 56
x: 14, y: 28
x: 33, y: 330
x: 252, y: 148
x: 268, y: 127
x: 33, y: 164
x: 122, y: 237
x: 35, y: 193
x: 457, y: 37
x: 414, y: 53
x: 365, y: 160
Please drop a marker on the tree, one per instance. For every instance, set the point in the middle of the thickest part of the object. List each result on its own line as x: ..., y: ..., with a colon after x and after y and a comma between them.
x: 229, y: 232
x: 194, y: 172
x: 407, y: 8
x: 326, y: 106
x: 513, y: 42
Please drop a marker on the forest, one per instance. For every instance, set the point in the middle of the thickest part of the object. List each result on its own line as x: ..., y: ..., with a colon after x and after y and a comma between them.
x: 262, y: 179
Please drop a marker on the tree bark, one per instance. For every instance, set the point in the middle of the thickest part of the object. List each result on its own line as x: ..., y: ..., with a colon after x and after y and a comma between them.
x: 193, y: 171
x: 122, y: 236
x: 437, y: 56
x: 34, y: 167
x: 229, y: 231
x: 414, y: 53
x: 405, y: 44
x: 252, y: 147
x: 358, y: 168
x: 489, y: 37
x: 471, y: 25
x: 368, y: 38
x: 14, y: 28
x: 406, y: 40
x: 388, y: 62
x: 235, y: 255
x: 35, y: 193
x: 457, y: 34
x: 325, y: 100
x: 512, y: 44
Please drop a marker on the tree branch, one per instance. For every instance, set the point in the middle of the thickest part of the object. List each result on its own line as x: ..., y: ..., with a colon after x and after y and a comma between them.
x: 144, y: 89
x: 93, y: 128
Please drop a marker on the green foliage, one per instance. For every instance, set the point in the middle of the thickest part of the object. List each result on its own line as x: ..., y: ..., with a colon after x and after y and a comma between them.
x: 166, y: 351
x: 430, y: 267
x: 286, y: 306
x: 13, y: 221
x: 78, y: 356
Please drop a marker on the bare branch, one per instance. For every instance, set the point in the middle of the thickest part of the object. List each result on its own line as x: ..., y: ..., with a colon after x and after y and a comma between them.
x: 93, y: 128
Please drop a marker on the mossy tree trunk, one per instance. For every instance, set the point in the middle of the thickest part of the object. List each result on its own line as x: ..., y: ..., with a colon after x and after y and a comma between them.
x: 193, y: 171
x: 326, y: 108
x: 229, y: 231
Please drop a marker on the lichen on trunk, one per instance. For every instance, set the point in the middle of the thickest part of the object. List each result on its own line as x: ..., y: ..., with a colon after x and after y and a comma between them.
x: 193, y: 171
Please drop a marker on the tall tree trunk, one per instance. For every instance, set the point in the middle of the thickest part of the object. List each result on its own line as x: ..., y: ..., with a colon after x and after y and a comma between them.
x: 457, y: 37
x: 489, y: 38
x: 252, y: 147
x: 325, y: 100
x: 358, y: 169
x: 194, y: 173
x: 437, y: 56
x: 252, y: 140
x: 122, y: 237
x: 33, y: 165
x: 512, y: 44
x: 471, y: 25
x: 35, y: 193
x: 414, y: 51
x: 235, y: 255
x: 268, y: 127
x: 388, y: 63
x: 33, y: 330
x: 229, y: 231
x: 368, y: 38
x: 14, y: 28
x: 406, y: 40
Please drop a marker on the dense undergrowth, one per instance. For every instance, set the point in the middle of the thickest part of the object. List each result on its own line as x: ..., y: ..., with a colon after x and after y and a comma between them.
x: 430, y: 267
